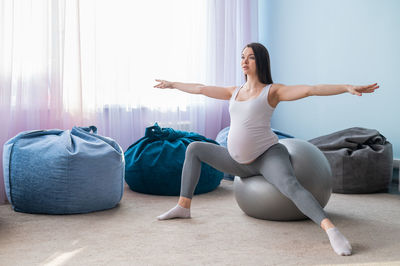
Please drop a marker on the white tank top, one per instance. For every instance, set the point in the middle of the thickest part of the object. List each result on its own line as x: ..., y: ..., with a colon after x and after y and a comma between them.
x: 250, y: 133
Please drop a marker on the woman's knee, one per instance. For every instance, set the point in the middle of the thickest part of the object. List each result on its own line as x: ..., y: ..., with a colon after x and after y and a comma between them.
x: 196, y: 147
x: 289, y: 186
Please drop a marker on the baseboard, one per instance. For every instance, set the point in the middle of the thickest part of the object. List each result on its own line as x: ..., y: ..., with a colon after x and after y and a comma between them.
x: 396, y: 163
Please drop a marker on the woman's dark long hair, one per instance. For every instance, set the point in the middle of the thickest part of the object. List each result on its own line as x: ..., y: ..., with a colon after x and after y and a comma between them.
x: 262, y: 62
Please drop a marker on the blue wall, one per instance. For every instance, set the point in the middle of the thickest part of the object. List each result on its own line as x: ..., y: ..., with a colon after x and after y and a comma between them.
x: 334, y: 42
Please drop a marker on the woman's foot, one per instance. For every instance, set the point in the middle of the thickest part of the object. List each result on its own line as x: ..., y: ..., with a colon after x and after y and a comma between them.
x: 176, y: 212
x: 339, y: 242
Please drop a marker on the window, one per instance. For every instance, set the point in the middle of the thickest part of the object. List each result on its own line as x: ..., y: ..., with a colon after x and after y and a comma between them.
x: 100, y: 53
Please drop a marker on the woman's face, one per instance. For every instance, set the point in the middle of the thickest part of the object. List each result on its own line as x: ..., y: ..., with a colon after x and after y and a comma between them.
x: 248, y: 62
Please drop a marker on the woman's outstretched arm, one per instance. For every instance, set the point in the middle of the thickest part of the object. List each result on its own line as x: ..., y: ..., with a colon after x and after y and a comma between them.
x: 222, y: 93
x: 324, y: 90
x: 193, y: 88
x: 290, y: 93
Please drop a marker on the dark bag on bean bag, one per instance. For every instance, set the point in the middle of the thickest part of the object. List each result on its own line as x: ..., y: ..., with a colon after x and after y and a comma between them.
x: 361, y: 160
x: 154, y: 163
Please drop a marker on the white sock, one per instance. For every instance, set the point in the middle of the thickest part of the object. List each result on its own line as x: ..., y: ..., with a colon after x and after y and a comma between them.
x: 339, y: 242
x: 176, y: 212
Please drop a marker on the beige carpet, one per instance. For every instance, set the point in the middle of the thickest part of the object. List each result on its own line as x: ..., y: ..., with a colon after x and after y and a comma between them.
x: 219, y: 233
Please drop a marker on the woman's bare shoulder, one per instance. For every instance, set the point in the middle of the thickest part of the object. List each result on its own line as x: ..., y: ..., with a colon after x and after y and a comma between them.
x: 275, y: 86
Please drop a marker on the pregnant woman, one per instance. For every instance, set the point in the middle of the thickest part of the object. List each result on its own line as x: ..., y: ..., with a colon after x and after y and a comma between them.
x: 253, y: 148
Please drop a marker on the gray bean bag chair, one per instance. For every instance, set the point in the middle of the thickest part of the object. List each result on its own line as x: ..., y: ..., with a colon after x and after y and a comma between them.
x: 361, y: 160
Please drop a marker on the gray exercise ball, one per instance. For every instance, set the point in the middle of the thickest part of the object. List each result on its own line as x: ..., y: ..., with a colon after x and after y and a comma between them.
x: 259, y: 199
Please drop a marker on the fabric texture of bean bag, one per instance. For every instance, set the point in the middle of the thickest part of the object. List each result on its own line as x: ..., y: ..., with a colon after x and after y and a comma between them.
x: 361, y: 160
x: 154, y: 163
x: 63, y: 172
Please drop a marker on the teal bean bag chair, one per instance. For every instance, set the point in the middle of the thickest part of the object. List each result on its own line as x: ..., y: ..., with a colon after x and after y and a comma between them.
x: 154, y: 163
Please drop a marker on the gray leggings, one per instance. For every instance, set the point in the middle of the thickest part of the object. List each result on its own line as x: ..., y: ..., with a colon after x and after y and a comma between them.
x: 274, y: 164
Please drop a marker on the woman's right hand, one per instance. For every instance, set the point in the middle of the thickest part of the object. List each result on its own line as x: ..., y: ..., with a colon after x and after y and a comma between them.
x: 163, y: 84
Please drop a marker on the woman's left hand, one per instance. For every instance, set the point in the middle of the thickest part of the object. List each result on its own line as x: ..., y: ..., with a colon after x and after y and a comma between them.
x: 359, y: 90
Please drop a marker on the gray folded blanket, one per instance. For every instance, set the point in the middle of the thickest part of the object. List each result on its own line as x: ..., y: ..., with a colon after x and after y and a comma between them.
x: 361, y: 160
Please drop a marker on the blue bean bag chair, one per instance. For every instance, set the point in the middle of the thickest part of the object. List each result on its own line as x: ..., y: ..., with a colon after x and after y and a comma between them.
x: 63, y: 172
x: 222, y: 139
x: 154, y: 163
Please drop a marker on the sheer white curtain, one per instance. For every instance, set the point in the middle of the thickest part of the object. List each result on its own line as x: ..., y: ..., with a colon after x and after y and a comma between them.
x: 93, y: 62
x: 125, y: 45
x: 70, y: 62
